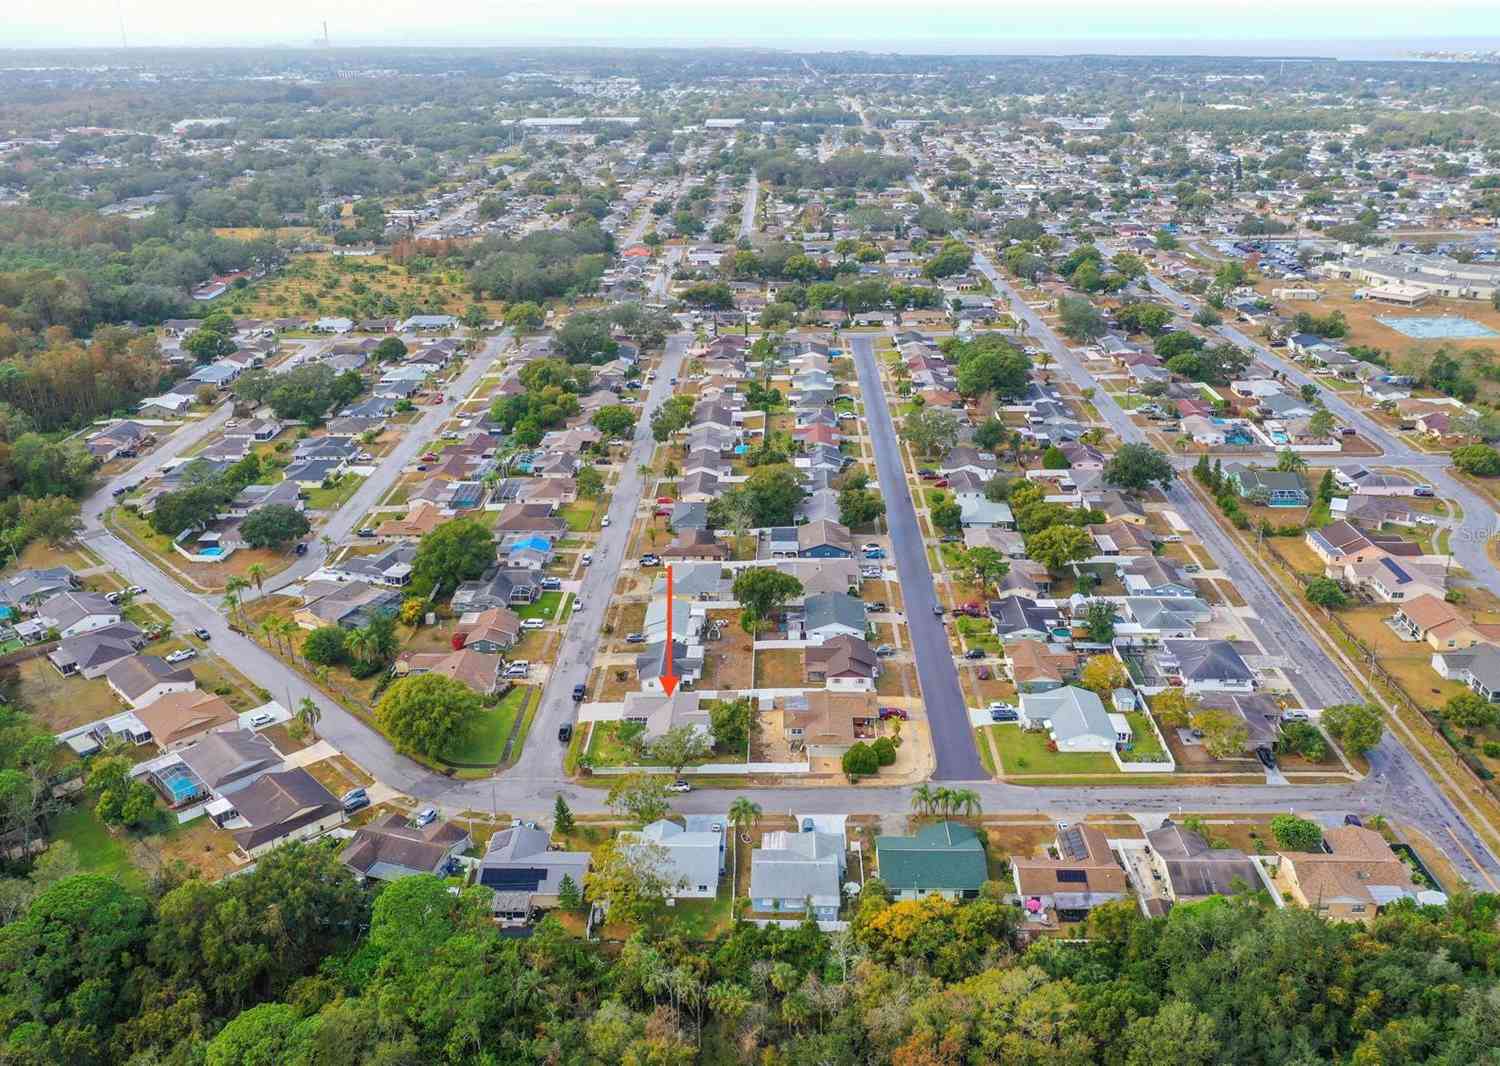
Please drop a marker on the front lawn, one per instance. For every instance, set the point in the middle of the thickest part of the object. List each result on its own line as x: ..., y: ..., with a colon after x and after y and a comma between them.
x: 545, y: 607
x: 580, y: 515
x: 978, y: 634
x: 99, y: 850
x: 1024, y: 752
x: 331, y: 499
x: 485, y: 739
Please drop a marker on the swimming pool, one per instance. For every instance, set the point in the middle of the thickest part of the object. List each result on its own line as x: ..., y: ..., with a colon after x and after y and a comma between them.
x: 1436, y: 327
x: 180, y: 782
x: 215, y: 550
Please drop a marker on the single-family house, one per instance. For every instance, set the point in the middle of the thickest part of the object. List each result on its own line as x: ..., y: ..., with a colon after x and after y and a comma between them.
x: 1190, y: 869
x: 1073, y: 717
x: 227, y: 760
x: 824, y: 540
x: 1208, y: 666
x: 843, y: 664
x: 1038, y: 667
x: 143, y: 679
x: 1437, y: 622
x: 1278, y: 488
x: 798, y: 873
x: 1352, y: 879
x: 394, y: 847
x: 1083, y: 875
x: 525, y: 874
x: 179, y: 718
x: 280, y: 807
x: 72, y: 613
x: 689, y: 857
x: 91, y: 654
x: 830, y: 614
x: 945, y: 858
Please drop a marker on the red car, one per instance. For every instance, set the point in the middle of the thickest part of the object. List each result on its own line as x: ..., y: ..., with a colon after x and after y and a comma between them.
x: 893, y: 712
x: 664, y: 499
x: 940, y: 483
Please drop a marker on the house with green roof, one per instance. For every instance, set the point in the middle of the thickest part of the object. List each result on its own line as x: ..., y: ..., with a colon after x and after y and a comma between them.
x: 946, y: 858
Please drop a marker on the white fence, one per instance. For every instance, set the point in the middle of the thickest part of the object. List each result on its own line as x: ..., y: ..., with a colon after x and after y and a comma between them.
x: 713, y: 768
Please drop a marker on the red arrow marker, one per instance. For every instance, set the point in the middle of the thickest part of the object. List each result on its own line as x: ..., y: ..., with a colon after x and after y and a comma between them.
x: 668, y: 678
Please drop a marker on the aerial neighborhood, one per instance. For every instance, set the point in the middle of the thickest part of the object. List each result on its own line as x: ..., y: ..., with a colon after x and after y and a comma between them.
x: 669, y: 555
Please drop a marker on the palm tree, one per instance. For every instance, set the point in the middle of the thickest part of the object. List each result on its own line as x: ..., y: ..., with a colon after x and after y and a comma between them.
x: 922, y: 798
x: 360, y: 644
x: 272, y: 632
x: 231, y: 604
x: 943, y: 800
x: 234, y: 587
x: 309, y: 714
x: 966, y: 800
x: 742, y: 815
x: 256, y: 572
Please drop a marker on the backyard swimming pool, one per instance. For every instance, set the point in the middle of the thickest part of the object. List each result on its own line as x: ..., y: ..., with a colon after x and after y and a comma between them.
x: 180, y: 782
x: 1436, y: 327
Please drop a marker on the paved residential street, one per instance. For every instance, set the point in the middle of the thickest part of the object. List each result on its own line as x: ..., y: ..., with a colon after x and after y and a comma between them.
x: 947, y: 716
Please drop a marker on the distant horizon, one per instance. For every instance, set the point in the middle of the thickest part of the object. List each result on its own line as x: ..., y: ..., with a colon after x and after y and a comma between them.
x: 1230, y: 28
x: 1370, y: 49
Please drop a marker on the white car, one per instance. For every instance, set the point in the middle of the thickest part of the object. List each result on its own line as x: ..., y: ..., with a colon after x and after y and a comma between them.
x: 605, y: 521
x: 137, y: 590
x: 587, y: 559
x: 181, y: 656
x: 679, y: 786
x: 262, y: 719
x: 533, y: 623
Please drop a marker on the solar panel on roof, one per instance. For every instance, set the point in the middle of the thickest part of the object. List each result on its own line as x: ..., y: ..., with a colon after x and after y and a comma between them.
x: 521, y: 879
x: 1072, y: 877
x: 1071, y: 842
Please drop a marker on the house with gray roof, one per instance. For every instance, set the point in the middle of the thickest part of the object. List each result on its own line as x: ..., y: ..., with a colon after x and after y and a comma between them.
x: 1073, y: 717
x: 830, y: 614
x: 945, y: 859
x: 798, y: 873
x: 690, y: 856
x: 524, y: 875
x: 280, y: 807
x: 71, y: 613
x: 231, y: 760
x: 28, y: 588
x: 141, y: 680
x: 1191, y: 870
x: 1281, y: 488
x: 1163, y: 617
x: 1208, y: 666
x: 91, y: 654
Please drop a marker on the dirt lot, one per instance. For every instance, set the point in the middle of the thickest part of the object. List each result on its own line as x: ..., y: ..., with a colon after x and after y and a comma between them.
x: 780, y: 668
x: 61, y: 703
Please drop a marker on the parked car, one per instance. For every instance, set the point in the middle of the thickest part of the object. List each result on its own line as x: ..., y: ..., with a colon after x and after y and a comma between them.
x: 425, y: 817
x: 117, y: 493
x: 974, y: 653
x: 1424, y: 491
x: 679, y: 785
x: 874, y: 553
x: 202, y: 634
x: 937, y: 609
x: 1354, y: 820
x: 564, y: 733
x: 354, y: 794
x: 587, y: 559
x: 1001, y: 714
x: 301, y: 548
x: 885, y: 649
x: 365, y: 532
x: 551, y: 583
x: 578, y: 692
x: 878, y: 606
x: 182, y: 656
x: 259, y: 721
x: 114, y: 597
x: 1267, y: 760
x: 870, y: 571
x: 650, y: 560
x: 887, y: 713
x: 604, y: 521
x: 533, y: 623
x: 635, y: 638
x: 872, y: 546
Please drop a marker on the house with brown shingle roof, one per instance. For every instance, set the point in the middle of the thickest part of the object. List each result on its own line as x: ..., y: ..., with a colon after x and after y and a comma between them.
x: 1084, y: 874
x: 1437, y: 622
x: 422, y: 517
x: 476, y: 669
x: 826, y: 724
x: 1038, y: 667
x: 843, y: 664
x: 490, y: 631
x: 393, y: 848
x: 1358, y: 875
x: 280, y: 807
x: 179, y: 718
x: 696, y: 544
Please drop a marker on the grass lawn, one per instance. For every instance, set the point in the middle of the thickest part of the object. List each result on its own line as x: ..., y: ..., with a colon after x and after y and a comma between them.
x: 699, y: 919
x: 1023, y: 752
x: 485, y: 739
x: 1143, y: 743
x: 978, y: 634
x: 524, y: 730
x: 99, y: 851
x: 545, y: 606
x: 780, y: 668
x: 321, y: 499
x: 580, y: 515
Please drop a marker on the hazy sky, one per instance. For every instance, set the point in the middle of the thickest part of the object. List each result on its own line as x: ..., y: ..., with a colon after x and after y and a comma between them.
x: 956, y: 25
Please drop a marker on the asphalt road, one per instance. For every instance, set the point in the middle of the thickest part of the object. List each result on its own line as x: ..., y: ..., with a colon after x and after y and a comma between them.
x: 947, y: 715
x: 752, y: 198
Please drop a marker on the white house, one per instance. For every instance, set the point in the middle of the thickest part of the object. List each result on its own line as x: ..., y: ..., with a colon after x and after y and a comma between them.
x: 1074, y: 717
